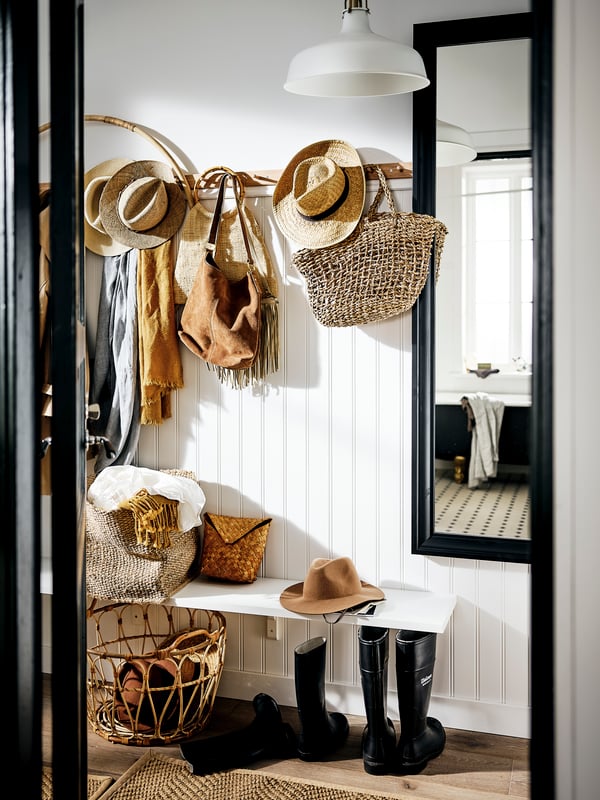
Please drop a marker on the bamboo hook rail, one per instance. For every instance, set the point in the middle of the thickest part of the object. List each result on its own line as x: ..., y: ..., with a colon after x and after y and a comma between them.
x: 189, y: 181
x: 134, y: 128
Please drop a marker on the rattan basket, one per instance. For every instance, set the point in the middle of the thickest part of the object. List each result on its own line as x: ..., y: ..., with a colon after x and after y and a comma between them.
x: 190, y: 643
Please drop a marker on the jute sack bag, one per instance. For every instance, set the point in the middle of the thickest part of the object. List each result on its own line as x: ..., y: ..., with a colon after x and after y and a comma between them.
x: 238, y: 229
x: 120, y: 567
x: 379, y: 271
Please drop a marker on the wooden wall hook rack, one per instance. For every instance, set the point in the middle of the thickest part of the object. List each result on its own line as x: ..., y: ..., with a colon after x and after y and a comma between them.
x: 269, y: 177
x: 266, y: 177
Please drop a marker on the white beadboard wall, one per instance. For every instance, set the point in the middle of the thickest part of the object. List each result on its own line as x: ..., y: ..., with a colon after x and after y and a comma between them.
x: 324, y: 448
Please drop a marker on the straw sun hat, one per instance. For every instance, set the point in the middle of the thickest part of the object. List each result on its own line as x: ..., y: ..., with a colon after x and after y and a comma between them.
x: 331, y: 584
x: 142, y: 206
x: 96, y: 238
x: 320, y: 195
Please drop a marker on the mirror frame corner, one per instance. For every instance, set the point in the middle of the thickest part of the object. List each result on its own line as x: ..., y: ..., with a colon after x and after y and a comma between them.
x: 427, y: 38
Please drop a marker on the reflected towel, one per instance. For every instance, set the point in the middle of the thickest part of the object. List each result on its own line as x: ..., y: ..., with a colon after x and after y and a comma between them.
x: 486, y: 416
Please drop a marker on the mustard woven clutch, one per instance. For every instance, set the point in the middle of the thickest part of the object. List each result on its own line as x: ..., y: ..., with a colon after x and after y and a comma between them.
x: 233, y: 547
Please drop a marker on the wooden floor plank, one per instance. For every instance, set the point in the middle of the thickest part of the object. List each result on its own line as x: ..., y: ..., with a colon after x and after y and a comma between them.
x: 473, y: 766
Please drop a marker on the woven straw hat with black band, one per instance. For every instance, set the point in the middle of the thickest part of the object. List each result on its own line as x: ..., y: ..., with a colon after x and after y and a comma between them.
x: 320, y: 195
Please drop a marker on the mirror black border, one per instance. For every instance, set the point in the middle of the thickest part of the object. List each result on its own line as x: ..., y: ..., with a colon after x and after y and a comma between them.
x: 427, y: 37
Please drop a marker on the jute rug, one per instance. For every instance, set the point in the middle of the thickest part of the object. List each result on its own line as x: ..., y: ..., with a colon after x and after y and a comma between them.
x: 158, y: 777
x: 97, y: 785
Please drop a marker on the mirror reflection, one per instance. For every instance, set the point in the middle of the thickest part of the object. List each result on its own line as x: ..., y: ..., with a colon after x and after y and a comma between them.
x: 483, y: 305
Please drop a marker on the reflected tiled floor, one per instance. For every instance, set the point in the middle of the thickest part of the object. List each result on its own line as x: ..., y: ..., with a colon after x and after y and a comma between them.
x: 500, y: 508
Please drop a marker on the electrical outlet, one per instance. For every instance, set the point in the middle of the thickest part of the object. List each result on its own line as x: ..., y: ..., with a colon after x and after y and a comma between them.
x: 273, y: 628
x: 134, y: 619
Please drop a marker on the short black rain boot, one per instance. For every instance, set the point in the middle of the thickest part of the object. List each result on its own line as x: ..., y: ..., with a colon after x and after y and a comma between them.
x: 321, y: 732
x: 421, y: 737
x: 267, y: 736
x: 379, y: 736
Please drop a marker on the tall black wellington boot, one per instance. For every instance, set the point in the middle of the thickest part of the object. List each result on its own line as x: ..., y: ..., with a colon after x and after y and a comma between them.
x: 379, y: 736
x: 421, y: 737
x: 267, y: 736
x: 321, y: 732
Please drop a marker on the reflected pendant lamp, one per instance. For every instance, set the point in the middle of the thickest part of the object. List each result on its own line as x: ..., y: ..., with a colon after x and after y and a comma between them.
x: 453, y: 145
x: 356, y: 63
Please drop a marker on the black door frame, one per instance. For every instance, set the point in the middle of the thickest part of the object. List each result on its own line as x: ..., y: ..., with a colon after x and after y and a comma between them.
x: 20, y: 619
x: 20, y: 384
x: 69, y: 756
x: 20, y: 626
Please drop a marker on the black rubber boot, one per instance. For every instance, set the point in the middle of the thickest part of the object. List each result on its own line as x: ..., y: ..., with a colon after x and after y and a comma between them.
x: 379, y: 736
x: 421, y: 737
x: 267, y: 736
x: 321, y: 732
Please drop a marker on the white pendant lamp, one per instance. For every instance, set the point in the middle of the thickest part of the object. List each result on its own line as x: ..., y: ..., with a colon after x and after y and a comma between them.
x: 453, y: 145
x: 356, y: 63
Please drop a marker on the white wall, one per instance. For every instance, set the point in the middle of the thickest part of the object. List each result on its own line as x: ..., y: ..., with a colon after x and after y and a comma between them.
x: 325, y: 449
x: 577, y: 387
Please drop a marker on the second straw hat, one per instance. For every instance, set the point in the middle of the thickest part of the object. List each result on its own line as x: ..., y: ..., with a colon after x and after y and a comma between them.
x: 319, y: 198
x: 96, y: 238
x: 142, y: 206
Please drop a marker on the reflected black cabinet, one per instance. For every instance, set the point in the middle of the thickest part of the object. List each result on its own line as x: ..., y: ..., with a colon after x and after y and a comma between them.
x: 452, y: 437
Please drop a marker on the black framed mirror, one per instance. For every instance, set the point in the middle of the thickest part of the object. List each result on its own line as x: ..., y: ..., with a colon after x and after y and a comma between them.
x: 431, y: 533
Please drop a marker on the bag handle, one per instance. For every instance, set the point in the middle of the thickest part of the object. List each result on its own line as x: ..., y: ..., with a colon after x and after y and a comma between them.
x: 382, y: 189
x: 203, y: 181
x: 214, y: 226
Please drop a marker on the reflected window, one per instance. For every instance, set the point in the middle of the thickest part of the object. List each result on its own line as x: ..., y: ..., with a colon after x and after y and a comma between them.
x: 497, y: 261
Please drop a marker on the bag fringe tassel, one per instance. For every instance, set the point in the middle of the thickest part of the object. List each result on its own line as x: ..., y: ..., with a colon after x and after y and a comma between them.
x: 267, y: 360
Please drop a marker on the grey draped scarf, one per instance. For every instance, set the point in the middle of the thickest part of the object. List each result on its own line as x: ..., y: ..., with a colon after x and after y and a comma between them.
x: 115, y: 378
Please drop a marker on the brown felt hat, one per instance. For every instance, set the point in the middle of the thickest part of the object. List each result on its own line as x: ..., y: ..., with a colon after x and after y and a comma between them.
x: 331, y: 584
x: 142, y: 206
x: 319, y: 198
x: 96, y: 238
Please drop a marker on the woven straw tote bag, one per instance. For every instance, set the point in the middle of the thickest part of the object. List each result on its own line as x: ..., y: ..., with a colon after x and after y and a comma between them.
x: 379, y: 271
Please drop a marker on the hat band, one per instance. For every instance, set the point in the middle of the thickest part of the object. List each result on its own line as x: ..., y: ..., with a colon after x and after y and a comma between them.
x: 333, y: 208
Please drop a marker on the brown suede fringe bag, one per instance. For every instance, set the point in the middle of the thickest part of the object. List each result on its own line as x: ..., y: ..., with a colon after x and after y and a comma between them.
x: 220, y: 322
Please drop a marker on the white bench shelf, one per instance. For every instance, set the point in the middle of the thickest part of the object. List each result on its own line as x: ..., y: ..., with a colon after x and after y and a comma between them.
x: 402, y: 608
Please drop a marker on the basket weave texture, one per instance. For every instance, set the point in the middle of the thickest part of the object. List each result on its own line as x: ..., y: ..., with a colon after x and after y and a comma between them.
x: 379, y: 271
x: 233, y: 547
x: 118, y: 567
x: 176, y: 689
